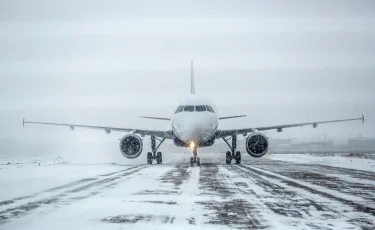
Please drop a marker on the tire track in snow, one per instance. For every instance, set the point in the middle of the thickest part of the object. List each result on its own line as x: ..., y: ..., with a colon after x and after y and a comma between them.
x: 68, y: 196
x: 223, y: 204
x: 269, y: 164
x: 332, y: 178
x: 305, y: 186
x: 189, y: 190
x: 168, y: 193
x: 285, y: 204
x: 355, y: 173
x: 61, y: 187
x: 331, y: 207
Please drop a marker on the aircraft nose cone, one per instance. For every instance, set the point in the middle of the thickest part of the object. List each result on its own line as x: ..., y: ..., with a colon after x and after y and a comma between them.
x: 197, y: 131
x: 196, y: 125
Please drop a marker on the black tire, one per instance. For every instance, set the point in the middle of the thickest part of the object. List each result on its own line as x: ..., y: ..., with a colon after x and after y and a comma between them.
x: 191, y: 161
x: 198, y: 161
x: 238, y: 157
x: 149, y: 158
x: 159, y: 158
x: 228, y: 158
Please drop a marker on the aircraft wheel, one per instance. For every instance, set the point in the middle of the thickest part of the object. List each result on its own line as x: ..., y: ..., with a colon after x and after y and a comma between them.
x: 228, y: 159
x: 238, y: 157
x: 192, y: 161
x: 198, y: 161
x: 149, y: 158
x: 159, y: 158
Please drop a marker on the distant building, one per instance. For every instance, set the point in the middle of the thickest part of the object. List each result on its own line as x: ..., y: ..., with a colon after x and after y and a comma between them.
x: 361, y: 143
x: 276, y: 142
x: 313, y: 144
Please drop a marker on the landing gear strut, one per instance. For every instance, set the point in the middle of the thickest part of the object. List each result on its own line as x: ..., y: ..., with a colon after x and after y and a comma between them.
x: 195, y: 159
x: 155, y: 155
x: 233, y: 154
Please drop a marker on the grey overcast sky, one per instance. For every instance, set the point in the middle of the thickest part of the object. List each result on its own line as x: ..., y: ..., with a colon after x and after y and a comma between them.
x: 106, y: 62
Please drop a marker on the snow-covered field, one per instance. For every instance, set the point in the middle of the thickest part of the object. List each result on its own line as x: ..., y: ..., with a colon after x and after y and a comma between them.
x: 25, y: 178
x: 259, y: 194
x: 335, y: 160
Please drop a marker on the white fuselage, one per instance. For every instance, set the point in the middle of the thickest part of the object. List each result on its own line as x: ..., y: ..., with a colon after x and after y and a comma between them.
x: 194, y: 121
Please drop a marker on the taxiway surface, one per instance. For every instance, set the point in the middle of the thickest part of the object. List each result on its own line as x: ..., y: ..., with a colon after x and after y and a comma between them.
x: 258, y: 194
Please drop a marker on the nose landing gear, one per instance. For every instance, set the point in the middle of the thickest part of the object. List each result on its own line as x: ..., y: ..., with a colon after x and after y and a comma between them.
x: 233, y: 154
x: 195, y: 159
x: 155, y: 155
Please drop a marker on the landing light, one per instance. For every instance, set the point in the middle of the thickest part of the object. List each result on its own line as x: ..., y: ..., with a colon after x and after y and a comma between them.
x: 192, y: 145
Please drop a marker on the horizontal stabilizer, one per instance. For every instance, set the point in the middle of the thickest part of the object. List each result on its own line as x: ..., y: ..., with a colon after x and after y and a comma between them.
x: 222, y: 118
x: 157, y: 118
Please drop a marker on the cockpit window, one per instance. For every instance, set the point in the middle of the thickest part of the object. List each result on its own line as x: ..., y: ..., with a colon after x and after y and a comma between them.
x: 189, y: 108
x: 200, y: 108
x: 209, y: 108
x: 179, y: 109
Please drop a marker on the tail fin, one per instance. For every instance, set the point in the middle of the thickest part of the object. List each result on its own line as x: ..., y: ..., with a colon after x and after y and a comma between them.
x: 192, y: 89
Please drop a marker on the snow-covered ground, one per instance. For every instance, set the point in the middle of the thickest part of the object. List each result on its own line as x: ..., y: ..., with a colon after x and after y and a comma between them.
x: 259, y: 194
x: 23, y: 178
x: 335, y: 160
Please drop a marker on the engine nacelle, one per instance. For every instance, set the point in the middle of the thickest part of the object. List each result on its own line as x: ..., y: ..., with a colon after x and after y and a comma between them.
x: 257, y: 144
x: 131, y: 146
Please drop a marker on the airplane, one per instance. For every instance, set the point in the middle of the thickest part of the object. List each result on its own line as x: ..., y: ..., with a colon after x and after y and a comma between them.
x: 194, y: 125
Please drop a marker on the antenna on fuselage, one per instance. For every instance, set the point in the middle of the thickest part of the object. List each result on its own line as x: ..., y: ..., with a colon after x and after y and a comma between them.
x: 192, y: 90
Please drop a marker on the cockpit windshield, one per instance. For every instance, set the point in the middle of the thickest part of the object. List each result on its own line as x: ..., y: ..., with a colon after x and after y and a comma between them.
x: 209, y: 108
x: 189, y: 108
x: 196, y: 108
x: 200, y: 108
x: 179, y: 109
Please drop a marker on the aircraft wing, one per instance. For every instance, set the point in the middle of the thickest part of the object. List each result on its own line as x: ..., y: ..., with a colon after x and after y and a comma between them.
x: 162, y: 134
x: 156, y: 118
x: 279, y: 128
x: 230, y: 117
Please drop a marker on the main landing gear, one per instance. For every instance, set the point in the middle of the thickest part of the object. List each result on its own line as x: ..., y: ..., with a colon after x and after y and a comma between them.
x: 233, y: 154
x: 154, y: 155
x: 195, y: 159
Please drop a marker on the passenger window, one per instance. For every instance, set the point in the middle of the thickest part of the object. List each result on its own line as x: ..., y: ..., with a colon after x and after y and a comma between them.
x: 209, y: 108
x: 189, y: 108
x: 179, y: 109
x: 200, y: 108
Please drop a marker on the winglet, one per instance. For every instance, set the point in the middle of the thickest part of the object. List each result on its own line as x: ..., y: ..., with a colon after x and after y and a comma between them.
x: 192, y: 89
x: 23, y: 122
x: 363, y: 119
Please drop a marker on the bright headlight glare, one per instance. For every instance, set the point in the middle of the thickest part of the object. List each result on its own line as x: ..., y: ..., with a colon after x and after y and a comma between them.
x: 192, y: 145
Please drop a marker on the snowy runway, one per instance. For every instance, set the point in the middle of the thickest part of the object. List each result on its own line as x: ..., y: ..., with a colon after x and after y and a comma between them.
x: 259, y: 194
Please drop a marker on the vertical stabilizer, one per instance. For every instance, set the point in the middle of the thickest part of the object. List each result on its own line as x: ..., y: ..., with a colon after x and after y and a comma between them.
x: 192, y: 90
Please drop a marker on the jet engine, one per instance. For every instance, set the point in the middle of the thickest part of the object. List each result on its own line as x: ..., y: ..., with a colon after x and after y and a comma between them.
x: 131, y: 146
x: 257, y: 144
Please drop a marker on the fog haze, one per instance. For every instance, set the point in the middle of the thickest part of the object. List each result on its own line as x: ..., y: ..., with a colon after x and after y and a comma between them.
x: 107, y: 62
